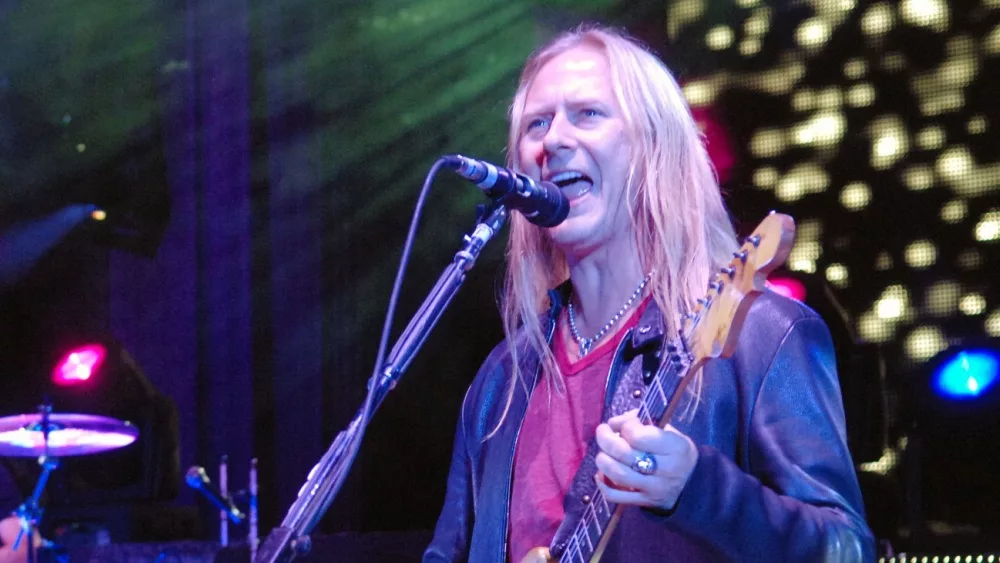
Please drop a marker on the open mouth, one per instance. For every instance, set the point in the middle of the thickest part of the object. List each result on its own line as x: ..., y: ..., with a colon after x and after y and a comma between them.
x: 572, y: 183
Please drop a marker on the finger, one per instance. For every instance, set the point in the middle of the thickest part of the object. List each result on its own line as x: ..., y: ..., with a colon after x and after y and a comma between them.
x: 616, y: 422
x: 621, y: 474
x: 614, y: 445
x: 648, y: 438
x: 620, y: 496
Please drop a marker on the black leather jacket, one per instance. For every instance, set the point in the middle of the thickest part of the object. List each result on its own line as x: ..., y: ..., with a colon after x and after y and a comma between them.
x: 774, y: 479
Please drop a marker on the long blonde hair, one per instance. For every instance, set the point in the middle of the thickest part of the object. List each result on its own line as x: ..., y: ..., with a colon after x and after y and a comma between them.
x: 682, y: 229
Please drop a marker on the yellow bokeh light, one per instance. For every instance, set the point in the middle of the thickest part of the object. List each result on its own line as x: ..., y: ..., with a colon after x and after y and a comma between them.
x: 830, y: 98
x: 878, y: 20
x: 767, y: 143
x: 749, y: 46
x: 806, y: 250
x: 973, y: 304
x: 889, y: 141
x: 919, y: 177
x: 893, y: 62
x: 683, y: 13
x: 941, y: 299
x: 920, y: 254
x: 719, y: 37
x: 931, y: 137
x: 747, y: 3
x: 954, y: 164
x: 924, y: 342
x: 991, y: 43
x: 883, y: 261
x: 992, y: 323
x: 825, y: 128
x: 837, y: 275
x: 700, y: 92
x: 988, y: 228
x: 976, y: 125
x: 807, y: 266
x: 893, y: 303
x: 855, y: 196
x: 873, y: 329
x: 809, y: 229
x: 855, y: 69
x: 757, y: 24
x: 932, y: 14
x: 861, y: 95
x: 954, y: 211
x: 801, y: 180
x: 765, y: 177
x: 803, y: 100
x: 813, y: 33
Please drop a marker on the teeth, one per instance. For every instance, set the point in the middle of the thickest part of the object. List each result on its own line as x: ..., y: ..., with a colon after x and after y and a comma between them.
x: 564, y: 176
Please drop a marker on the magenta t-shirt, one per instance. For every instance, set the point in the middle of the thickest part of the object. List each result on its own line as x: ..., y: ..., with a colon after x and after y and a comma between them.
x: 554, y: 437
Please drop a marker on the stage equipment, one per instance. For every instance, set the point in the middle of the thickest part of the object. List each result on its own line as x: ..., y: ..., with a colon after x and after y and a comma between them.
x: 291, y: 538
x: 79, y: 365
x: 198, y: 479
x: 97, y: 376
x: 955, y: 415
x: 542, y: 203
x: 966, y: 373
x: 48, y: 437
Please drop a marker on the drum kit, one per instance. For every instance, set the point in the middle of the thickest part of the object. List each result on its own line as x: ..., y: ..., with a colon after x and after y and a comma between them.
x: 48, y: 437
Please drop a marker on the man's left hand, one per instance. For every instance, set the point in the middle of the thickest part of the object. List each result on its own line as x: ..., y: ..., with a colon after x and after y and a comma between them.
x: 623, y: 440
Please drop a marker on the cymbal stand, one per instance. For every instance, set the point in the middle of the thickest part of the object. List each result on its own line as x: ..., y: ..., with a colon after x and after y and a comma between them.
x: 29, y: 513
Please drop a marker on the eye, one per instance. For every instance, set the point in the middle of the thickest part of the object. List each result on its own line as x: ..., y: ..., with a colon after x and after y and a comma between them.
x: 535, y: 123
x: 590, y: 112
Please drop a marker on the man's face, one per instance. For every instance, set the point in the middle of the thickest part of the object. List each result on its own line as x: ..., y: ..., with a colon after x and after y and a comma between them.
x: 573, y: 134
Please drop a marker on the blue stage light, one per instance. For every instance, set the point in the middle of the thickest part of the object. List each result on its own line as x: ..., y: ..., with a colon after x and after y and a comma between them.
x: 967, y: 374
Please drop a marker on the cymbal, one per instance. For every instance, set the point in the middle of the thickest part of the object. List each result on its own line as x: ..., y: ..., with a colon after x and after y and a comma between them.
x: 69, y: 434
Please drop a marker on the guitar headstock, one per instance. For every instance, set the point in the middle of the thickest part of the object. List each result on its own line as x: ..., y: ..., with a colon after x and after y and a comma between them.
x: 715, y: 323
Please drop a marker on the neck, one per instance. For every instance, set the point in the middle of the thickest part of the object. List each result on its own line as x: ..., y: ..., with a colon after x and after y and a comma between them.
x: 602, y: 281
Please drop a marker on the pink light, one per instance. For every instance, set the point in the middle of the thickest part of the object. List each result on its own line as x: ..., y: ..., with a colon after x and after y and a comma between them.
x: 789, y: 287
x: 79, y: 365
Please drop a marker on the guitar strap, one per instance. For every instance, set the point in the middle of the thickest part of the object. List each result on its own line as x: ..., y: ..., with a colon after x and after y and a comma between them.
x: 640, y: 355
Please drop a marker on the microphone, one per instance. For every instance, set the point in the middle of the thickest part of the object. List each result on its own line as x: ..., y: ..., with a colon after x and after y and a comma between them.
x: 198, y: 480
x: 542, y: 203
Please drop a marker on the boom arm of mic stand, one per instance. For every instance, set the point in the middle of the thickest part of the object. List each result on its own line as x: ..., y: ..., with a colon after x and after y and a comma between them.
x: 291, y: 539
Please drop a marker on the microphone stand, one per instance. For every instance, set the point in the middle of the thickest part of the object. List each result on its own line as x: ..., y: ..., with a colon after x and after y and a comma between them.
x: 291, y: 539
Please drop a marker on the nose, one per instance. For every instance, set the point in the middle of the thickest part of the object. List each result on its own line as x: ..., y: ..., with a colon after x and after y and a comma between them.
x: 559, y: 136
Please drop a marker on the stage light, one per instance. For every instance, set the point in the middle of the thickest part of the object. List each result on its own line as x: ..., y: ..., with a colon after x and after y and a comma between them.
x: 967, y: 374
x: 99, y: 215
x: 79, y: 365
x: 789, y: 287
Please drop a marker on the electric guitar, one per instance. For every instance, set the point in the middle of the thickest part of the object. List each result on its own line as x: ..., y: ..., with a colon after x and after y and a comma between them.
x: 710, y: 330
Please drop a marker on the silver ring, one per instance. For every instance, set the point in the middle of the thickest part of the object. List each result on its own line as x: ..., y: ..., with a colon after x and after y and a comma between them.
x: 644, y: 464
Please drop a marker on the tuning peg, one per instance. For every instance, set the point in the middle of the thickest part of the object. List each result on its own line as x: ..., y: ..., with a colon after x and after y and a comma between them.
x: 729, y: 271
x: 716, y: 285
x: 754, y: 240
x: 742, y: 255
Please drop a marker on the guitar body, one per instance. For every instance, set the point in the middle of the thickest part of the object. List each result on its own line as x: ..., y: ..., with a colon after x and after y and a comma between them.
x: 538, y: 555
